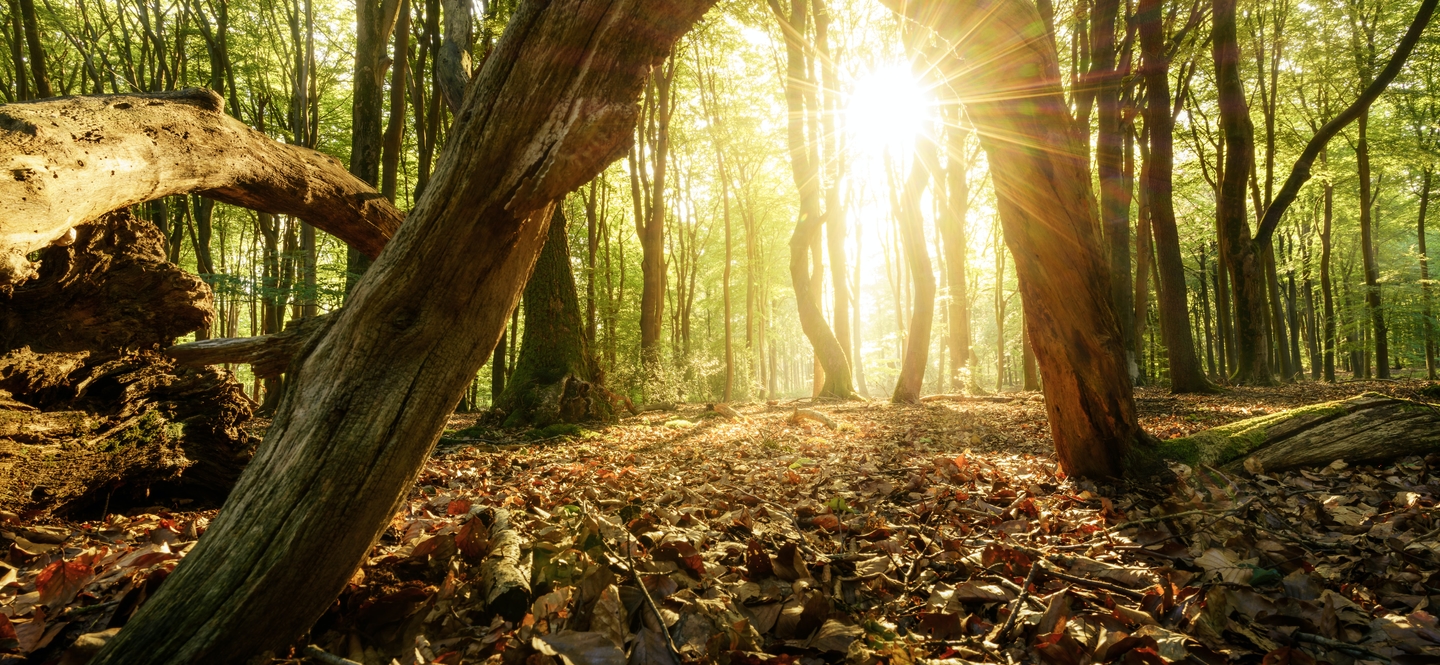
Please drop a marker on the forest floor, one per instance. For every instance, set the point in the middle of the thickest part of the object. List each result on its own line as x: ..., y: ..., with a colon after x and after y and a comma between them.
x: 900, y: 535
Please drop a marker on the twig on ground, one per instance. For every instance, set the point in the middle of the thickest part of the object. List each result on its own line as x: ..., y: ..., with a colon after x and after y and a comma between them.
x: 1085, y: 581
x: 644, y: 591
x: 326, y: 657
x: 1343, y: 647
x: 1019, y: 601
x: 814, y: 415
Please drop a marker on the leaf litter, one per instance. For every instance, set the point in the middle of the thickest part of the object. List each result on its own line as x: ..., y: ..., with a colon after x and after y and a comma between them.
x: 942, y: 533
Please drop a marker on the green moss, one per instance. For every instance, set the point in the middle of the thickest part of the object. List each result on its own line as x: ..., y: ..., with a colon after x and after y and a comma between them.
x: 151, y: 427
x: 1225, y: 443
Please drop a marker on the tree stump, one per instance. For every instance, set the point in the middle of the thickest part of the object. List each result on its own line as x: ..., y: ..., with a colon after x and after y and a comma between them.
x: 1365, y: 429
x: 91, y: 413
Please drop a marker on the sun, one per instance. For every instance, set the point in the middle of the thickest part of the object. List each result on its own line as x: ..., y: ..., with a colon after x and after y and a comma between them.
x: 887, y: 110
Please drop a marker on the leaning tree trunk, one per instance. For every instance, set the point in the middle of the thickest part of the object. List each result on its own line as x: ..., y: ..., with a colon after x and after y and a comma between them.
x: 88, y: 410
x: 77, y: 158
x: 1365, y: 429
x: 550, y: 108
x: 1042, y: 183
x: 555, y: 378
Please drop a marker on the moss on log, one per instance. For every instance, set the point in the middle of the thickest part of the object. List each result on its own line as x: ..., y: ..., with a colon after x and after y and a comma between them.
x: 1367, y: 428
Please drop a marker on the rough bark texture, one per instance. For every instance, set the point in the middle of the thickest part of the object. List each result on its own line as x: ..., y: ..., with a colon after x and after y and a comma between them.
x: 556, y: 379
x: 90, y: 414
x: 550, y: 108
x: 1047, y: 211
x: 917, y: 260
x: 1364, y: 429
x: 74, y: 159
x: 268, y: 355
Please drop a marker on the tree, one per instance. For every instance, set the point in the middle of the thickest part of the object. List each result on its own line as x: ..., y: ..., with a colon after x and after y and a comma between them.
x: 556, y: 379
x: 922, y: 273
x: 368, y: 405
x: 1042, y: 183
x: 374, y: 20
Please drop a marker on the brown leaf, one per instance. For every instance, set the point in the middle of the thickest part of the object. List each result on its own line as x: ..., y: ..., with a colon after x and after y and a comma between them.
x: 61, y: 580
x: 790, y: 565
x: 758, y: 565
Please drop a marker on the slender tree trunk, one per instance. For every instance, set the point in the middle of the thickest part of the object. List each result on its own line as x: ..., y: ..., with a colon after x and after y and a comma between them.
x: 1246, y: 269
x: 369, y: 404
x: 373, y: 21
x: 1210, y: 339
x: 1105, y: 76
x: 728, y: 393
x: 1144, y: 250
x: 1425, y: 313
x: 592, y: 245
x: 1367, y: 249
x: 1326, y: 290
x: 17, y: 57
x: 828, y: 351
x: 834, y: 168
x: 38, y: 69
x: 952, y: 227
x: 652, y: 235
x: 917, y: 257
x: 393, y: 141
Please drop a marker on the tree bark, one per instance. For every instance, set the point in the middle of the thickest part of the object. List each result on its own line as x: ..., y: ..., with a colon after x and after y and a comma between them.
x: 77, y: 158
x: 1244, y: 263
x: 556, y: 379
x: 828, y: 351
x: 952, y: 227
x: 1046, y: 207
x: 1367, y: 253
x: 1186, y: 375
x: 551, y: 107
x: 1365, y: 429
x: 38, y: 68
x: 17, y: 57
x: 1428, y: 325
x: 834, y: 168
x: 1109, y: 160
x: 652, y: 231
x: 374, y: 19
x: 1327, y: 290
x: 922, y: 273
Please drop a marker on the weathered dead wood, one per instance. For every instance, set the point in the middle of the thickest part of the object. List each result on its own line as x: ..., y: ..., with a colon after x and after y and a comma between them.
x: 89, y: 412
x: 1365, y: 429
x: 507, y: 589
x: 809, y: 414
x: 267, y: 355
x: 71, y: 160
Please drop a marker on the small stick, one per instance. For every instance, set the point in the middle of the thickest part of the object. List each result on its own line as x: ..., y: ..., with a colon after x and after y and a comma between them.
x: 650, y: 601
x: 813, y: 415
x: 326, y: 657
x: 1085, y: 581
x: 1350, y: 649
x: 1019, y: 601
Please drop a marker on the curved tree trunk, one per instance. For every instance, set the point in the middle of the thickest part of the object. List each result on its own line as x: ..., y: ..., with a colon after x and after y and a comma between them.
x: 956, y: 247
x: 1042, y: 182
x: 555, y: 378
x: 917, y: 259
x: 1364, y: 429
x: 77, y: 158
x: 551, y: 107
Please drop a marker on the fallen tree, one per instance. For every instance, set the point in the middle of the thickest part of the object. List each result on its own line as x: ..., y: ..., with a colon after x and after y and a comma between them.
x: 554, y: 104
x: 90, y: 414
x: 73, y: 159
x: 1365, y: 429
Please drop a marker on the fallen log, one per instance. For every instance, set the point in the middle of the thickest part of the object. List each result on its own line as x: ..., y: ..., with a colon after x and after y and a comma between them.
x: 1366, y: 429
x: 71, y: 160
x: 506, y: 587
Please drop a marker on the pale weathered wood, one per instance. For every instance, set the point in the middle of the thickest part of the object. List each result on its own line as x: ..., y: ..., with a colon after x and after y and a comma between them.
x: 70, y: 160
x: 267, y: 355
x: 506, y: 586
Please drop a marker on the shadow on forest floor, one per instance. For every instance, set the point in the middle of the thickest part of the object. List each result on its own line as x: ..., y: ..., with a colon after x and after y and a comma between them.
x: 908, y: 532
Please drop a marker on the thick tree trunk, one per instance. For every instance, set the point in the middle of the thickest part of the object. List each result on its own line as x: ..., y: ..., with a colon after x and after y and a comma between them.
x: 374, y: 20
x: 555, y: 378
x: 77, y: 158
x: 652, y: 229
x: 74, y: 385
x: 1244, y: 264
x: 1366, y: 429
x: 551, y: 107
x: 1042, y: 183
x: 922, y: 273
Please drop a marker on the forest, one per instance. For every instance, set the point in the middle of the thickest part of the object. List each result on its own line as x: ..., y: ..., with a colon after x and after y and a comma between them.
x: 578, y: 332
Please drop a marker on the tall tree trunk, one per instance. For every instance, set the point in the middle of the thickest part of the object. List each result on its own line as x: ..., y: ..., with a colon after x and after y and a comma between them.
x: 1211, y: 341
x: 728, y: 393
x: 1046, y: 207
x: 1246, y: 270
x: 592, y: 245
x: 17, y: 57
x: 834, y: 168
x: 1367, y: 252
x: 38, y: 69
x: 1109, y: 160
x: 652, y: 235
x: 369, y: 404
x: 1326, y: 290
x: 1425, y: 312
x: 917, y: 258
x: 373, y: 21
x: 393, y: 141
x: 1031, y: 380
x: 1186, y: 375
x: 828, y: 351
x: 956, y: 247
